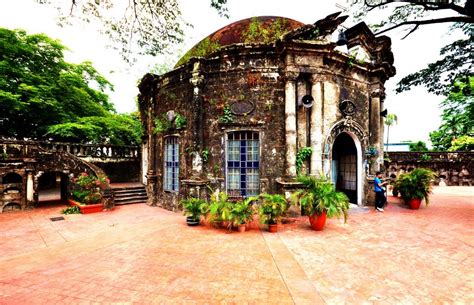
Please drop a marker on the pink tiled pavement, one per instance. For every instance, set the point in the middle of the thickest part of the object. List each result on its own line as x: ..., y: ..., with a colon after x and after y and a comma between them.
x: 144, y: 255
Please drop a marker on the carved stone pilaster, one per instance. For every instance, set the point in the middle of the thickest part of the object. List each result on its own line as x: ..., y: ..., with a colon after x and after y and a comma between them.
x: 291, y: 75
x: 198, y: 81
x: 290, y: 122
x: 375, y: 128
x: 316, y: 131
x: 152, y: 188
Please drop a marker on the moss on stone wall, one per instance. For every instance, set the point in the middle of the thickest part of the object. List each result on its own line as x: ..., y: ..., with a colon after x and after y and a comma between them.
x: 259, y: 32
x: 204, y: 48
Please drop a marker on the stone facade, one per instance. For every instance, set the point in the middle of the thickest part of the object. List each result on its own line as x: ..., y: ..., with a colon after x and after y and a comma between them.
x: 249, y: 96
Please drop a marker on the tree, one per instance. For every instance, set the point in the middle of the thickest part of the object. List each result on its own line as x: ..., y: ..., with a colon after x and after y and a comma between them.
x: 39, y: 90
x: 134, y: 27
x: 389, y: 121
x: 452, y: 74
x: 418, y: 146
x: 116, y: 129
x: 457, y: 118
x: 457, y: 60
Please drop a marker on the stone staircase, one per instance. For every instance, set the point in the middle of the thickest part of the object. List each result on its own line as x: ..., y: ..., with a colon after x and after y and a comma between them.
x: 130, y: 194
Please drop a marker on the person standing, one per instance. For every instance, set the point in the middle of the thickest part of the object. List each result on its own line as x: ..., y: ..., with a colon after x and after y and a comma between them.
x: 379, y: 192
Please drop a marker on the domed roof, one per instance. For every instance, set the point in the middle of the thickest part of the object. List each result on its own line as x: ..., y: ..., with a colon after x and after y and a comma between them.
x: 263, y: 29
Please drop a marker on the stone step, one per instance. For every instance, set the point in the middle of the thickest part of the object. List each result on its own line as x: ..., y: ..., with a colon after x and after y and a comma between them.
x: 136, y: 197
x: 130, y: 195
x: 130, y: 202
x: 128, y: 188
x: 129, y: 191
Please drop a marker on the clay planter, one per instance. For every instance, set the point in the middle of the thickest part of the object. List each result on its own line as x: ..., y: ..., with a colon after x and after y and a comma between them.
x: 87, y: 209
x: 272, y: 228
x: 241, y: 228
x: 317, y: 221
x: 414, y: 203
x: 192, y: 222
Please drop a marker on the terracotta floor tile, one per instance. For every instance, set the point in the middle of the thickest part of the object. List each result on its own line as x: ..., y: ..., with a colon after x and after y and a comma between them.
x: 144, y: 255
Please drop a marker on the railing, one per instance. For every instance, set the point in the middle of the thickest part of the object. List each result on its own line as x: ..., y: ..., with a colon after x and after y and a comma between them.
x: 20, y: 149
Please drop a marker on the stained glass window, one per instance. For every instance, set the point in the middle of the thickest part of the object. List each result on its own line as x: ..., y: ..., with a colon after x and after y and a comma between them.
x: 171, y: 165
x: 243, y: 163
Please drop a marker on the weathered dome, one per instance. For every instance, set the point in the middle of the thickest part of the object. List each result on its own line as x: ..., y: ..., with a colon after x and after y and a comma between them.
x: 263, y: 29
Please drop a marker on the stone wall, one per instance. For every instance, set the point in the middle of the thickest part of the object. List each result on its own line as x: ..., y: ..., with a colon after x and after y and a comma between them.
x: 452, y: 168
x: 257, y: 89
x: 121, y: 171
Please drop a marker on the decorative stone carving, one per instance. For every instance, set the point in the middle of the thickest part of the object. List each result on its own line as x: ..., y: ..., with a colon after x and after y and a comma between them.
x: 242, y: 107
x: 291, y: 75
x: 347, y: 108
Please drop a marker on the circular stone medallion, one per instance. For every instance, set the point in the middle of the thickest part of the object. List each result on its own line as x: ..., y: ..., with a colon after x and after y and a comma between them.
x: 347, y: 107
x: 242, y: 107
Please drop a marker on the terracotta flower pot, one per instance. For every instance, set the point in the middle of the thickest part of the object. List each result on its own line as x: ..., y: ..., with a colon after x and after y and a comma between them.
x: 317, y: 221
x: 241, y: 228
x: 414, y: 203
x: 272, y: 228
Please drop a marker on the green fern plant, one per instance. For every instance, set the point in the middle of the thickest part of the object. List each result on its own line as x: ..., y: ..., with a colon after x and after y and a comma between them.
x: 242, y: 211
x: 272, y: 208
x: 194, y: 207
x: 320, y: 196
x: 417, y: 184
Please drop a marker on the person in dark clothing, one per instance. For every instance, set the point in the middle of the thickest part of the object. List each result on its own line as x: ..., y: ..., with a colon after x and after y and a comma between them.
x: 379, y: 192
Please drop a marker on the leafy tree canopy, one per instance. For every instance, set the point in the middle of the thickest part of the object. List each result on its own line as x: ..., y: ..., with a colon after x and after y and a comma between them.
x: 39, y: 92
x: 418, y: 146
x: 457, y: 125
x: 457, y: 58
x: 134, y: 27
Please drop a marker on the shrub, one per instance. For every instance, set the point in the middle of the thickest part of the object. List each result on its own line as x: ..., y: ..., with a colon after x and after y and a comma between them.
x: 88, y: 188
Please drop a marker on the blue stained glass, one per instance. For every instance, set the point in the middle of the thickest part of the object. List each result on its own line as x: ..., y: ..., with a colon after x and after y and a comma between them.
x: 243, y: 147
x: 171, y: 164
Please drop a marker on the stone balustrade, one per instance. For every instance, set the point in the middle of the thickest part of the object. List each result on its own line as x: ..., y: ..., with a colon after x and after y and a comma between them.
x: 16, y: 149
x: 452, y: 168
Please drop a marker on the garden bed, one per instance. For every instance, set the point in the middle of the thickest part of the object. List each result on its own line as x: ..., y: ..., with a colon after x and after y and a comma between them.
x: 87, y: 208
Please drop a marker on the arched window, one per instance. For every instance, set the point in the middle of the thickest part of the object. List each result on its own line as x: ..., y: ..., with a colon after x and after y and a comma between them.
x: 243, y: 164
x: 171, y: 164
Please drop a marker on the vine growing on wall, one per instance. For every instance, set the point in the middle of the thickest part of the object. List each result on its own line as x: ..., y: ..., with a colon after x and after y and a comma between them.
x: 227, y: 116
x: 162, y: 124
x: 302, y: 155
x: 180, y: 121
x: 205, y: 155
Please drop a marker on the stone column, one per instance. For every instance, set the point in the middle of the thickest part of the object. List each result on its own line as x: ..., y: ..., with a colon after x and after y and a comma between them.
x: 152, y: 163
x: 382, y: 129
x: 317, y: 125
x: 374, y: 138
x: 197, y: 80
x: 290, y: 120
x: 30, y: 190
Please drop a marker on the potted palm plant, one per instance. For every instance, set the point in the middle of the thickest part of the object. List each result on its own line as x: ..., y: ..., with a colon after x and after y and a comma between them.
x: 193, y: 209
x: 218, y: 212
x: 319, y: 200
x: 271, y: 209
x: 242, y: 213
x: 415, y: 186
